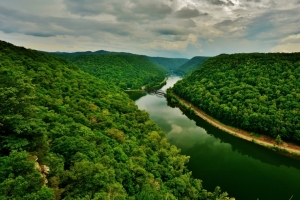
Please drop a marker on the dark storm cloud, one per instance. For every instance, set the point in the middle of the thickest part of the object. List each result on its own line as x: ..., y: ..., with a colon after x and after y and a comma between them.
x: 187, y: 13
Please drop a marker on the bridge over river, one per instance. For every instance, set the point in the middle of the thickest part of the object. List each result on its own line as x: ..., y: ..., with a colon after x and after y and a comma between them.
x: 154, y: 91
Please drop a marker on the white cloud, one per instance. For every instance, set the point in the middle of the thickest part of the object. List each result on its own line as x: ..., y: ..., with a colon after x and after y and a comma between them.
x: 287, y: 48
x: 291, y: 38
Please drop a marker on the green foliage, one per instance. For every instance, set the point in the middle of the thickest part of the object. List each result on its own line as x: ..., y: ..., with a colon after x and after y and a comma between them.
x: 278, y: 140
x: 256, y: 92
x: 95, y: 140
x: 168, y: 64
x: 126, y: 71
x: 190, y: 66
x: 20, y: 180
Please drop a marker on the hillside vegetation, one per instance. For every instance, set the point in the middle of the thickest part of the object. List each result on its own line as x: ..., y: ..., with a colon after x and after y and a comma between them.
x: 256, y: 92
x: 126, y: 71
x: 95, y: 141
x: 168, y: 64
x: 190, y: 66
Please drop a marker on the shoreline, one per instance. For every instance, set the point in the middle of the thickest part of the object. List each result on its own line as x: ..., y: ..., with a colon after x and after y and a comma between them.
x: 143, y: 87
x: 263, y: 140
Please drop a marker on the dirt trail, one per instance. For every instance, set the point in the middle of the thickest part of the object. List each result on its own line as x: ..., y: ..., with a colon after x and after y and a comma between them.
x: 262, y: 140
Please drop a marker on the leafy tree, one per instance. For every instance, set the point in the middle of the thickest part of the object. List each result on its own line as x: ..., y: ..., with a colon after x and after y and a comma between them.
x: 256, y: 92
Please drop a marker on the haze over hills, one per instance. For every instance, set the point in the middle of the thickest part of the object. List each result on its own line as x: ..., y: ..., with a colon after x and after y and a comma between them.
x: 256, y: 92
x: 168, y: 64
x: 190, y: 66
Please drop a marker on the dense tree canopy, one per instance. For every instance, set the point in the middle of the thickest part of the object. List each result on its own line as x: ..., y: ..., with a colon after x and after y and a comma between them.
x: 256, y: 92
x: 190, y: 66
x: 126, y: 71
x: 168, y: 64
x: 95, y: 141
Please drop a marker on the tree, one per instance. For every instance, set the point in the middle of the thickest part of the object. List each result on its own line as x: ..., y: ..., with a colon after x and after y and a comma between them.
x: 278, y: 140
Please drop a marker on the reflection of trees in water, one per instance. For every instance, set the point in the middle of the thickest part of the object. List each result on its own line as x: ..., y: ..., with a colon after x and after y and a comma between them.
x: 242, y: 146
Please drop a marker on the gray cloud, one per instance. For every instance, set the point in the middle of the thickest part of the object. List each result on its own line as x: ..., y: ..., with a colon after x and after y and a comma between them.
x: 157, y: 27
x: 168, y: 30
x: 133, y: 10
x: 221, y: 2
x: 186, y: 13
x: 29, y: 24
x: 274, y: 24
x: 257, y: 1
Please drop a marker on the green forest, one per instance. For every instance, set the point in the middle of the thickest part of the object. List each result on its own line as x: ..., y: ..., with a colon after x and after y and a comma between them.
x: 65, y: 134
x: 125, y: 71
x: 256, y: 92
x: 168, y: 64
x: 190, y: 66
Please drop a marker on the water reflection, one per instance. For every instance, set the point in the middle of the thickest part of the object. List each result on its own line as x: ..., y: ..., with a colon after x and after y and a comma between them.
x: 243, y: 169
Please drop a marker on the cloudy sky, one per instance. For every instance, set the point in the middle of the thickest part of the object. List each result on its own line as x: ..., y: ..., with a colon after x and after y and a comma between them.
x: 170, y: 28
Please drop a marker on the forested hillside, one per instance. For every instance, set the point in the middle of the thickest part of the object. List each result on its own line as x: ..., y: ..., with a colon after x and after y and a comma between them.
x: 256, y: 92
x: 168, y: 64
x: 101, y: 52
x: 126, y: 71
x: 91, y: 136
x: 190, y: 66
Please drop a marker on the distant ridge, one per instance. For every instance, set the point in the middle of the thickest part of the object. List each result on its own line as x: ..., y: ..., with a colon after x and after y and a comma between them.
x: 168, y: 64
x: 190, y: 66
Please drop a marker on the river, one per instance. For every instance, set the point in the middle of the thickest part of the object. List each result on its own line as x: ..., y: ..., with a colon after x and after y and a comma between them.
x: 245, y: 170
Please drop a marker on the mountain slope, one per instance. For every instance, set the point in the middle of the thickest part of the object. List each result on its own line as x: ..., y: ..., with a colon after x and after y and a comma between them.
x: 168, y: 64
x: 256, y: 92
x: 93, y: 138
x: 190, y: 66
x: 126, y: 71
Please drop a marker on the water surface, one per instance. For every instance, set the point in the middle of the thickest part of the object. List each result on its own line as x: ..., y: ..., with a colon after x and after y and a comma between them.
x: 243, y: 169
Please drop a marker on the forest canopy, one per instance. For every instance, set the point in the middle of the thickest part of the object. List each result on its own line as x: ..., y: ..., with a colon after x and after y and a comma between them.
x: 168, y: 64
x: 190, y: 66
x: 257, y: 92
x: 65, y: 134
x: 123, y: 70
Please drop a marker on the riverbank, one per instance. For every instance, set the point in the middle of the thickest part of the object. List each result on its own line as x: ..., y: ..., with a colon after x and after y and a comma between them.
x: 144, y: 87
x: 263, y: 140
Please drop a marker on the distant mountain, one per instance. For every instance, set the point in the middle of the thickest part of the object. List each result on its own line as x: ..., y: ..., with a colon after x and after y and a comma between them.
x: 168, y: 64
x: 125, y: 70
x: 190, y: 66
x: 101, y: 52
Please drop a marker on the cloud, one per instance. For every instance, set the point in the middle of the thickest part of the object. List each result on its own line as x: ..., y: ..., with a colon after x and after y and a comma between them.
x: 173, y: 45
x: 221, y: 2
x: 133, y: 10
x: 291, y: 39
x: 233, y: 28
x: 287, y: 48
x: 168, y: 30
x: 157, y: 27
x: 186, y: 13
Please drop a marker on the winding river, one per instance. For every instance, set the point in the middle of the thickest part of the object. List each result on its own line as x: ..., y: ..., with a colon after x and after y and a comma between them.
x: 245, y: 170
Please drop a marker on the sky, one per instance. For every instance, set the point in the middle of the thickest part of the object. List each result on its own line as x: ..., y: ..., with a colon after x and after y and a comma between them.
x: 166, y: 28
